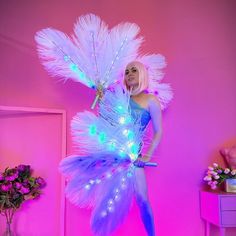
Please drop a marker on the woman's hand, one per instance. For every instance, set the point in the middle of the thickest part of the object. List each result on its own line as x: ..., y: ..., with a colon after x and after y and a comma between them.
x: 99, y: 92
x: 141, y: 161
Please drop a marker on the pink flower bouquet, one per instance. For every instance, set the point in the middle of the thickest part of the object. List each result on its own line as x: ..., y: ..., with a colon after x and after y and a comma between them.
x: 16, y: 186
x: 216, y: 175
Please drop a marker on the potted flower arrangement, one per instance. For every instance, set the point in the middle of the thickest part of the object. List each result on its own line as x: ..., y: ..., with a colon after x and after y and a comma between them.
x: 216, y: 175
x: 16, y: 186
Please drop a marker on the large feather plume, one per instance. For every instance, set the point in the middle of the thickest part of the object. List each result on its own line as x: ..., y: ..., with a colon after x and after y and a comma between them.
x: 114, y: 204
x: 60, y: 56
x: 122, y: 48
x: 89, y: 175
x: 95, y: 56
x: 91, y: 36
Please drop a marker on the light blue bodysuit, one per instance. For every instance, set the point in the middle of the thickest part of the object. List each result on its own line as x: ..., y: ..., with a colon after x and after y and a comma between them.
x: 139, y: 114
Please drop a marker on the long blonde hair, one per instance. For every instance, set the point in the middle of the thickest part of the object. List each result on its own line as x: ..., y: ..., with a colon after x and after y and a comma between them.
x: 143, y: 78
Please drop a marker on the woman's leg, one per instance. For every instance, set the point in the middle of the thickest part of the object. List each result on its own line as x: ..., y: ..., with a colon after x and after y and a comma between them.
x: 143, y: 202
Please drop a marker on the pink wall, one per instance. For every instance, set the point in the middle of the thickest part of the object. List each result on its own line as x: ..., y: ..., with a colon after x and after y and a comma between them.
x: 198, y: 40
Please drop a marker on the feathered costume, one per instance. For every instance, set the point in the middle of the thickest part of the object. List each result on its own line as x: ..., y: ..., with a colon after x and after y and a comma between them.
x: 101, y: 174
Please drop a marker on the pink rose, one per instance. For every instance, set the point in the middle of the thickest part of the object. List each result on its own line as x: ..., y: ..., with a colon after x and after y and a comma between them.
x: 213, y: 186
x: 233, y: 172
x: 226, y: 171
x: 40, y: 181
x: 6, y: 187
x: 213, y: 172
x: 18, y: 185
x: 12, y: 175
x: 24, y: 190
x: 215, y: 164
x: 208, y: 178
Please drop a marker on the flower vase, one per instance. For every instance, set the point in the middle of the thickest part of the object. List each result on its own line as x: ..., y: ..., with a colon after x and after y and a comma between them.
x: 230, y: 185
x: 8, y: 231
x: 9, y: 213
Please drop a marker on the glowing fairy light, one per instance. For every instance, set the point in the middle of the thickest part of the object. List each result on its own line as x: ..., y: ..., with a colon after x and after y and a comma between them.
x: 122, y: 120
x: 129, y: 174
x: 74, y: 67
x: 120, y: 109
x: 123, y: 183
x: 134, y: 149
x: 112, y: 145
x: 130, y: 144
x: 117, y: 197
x: 87, y: 186
x: 132, y: 156
x: 123, y: 179
x: 102, y: 137
x: 117, y: 194
x: 110, y: 202
x: 92, y: 129
x: 125, y: 132
x: 82, y: 76
x: 98, y: 181
x: 111, y: 208
x: 103, y: 213
x: 130, y: 134
x: 91, y: 181
x: 116, y: 190
x: 121, y: 153
x: 66, y: 58
x: 108, y: 175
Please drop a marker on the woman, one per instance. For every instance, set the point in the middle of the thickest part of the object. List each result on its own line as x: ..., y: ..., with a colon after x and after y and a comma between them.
x: 102, y: 178
x: 148, y: 107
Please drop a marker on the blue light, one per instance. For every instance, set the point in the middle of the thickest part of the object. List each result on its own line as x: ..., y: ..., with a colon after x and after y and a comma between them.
x: 74, y: 67
x: 66, y: 58
x: 134, y: 149
x: 120, y: 109
x: 122, y: 153
x: 122, y: 120
x: 92, y: 129
x: 112, y: 146
x: 102, y: 137
x: 129, y: 174
x: 130, y: 135
x: 82, y: 75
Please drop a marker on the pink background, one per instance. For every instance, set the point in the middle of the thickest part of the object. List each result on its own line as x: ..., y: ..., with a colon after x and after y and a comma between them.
x: 24, y: 139
x: 198, y: 39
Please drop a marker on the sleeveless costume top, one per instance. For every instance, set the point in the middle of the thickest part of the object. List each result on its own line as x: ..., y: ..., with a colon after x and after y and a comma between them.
x: 139, y: 114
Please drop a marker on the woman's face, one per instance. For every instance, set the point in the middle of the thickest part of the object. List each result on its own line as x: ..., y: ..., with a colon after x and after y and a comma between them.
x: 131, y: 75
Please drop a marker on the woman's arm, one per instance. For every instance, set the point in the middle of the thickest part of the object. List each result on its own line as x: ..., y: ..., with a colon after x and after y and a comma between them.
x: 156, y: 118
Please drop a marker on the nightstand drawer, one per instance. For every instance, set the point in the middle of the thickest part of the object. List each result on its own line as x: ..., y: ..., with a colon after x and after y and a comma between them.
x: 228, y: 218
x: 228, y: 203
